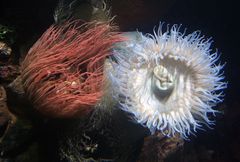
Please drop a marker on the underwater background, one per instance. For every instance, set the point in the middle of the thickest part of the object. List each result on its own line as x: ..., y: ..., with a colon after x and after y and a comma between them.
x: 27, y: 20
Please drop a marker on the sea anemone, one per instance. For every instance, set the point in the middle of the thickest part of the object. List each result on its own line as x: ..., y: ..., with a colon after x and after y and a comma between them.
x: 63, y: 72
x: 169, y: 81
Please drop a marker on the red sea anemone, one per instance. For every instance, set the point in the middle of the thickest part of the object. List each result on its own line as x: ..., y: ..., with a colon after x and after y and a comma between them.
x: 63, y: 72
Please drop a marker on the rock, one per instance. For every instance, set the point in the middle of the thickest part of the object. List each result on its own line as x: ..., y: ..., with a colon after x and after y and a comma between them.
x: 3, y: 96
x: 8, y: 73
x: 5, y: 116
x: 157, y: 147
x: 5, y: 52
x: 16, y: 137
x: 15, y: 132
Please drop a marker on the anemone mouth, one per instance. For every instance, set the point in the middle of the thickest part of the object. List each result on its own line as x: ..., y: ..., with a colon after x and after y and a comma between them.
x: 161, y: 87
x: 163, y: 81
x: 170, y: 80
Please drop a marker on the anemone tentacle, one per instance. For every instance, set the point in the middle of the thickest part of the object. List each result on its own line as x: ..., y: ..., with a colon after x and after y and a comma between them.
x: 169, y: 81
x: 63, y: 72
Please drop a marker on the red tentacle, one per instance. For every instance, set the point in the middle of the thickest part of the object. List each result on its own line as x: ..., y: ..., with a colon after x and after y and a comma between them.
x: 63, y: 71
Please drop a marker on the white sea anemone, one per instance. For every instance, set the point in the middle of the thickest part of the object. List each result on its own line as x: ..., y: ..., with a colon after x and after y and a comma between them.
x: 169, y: 81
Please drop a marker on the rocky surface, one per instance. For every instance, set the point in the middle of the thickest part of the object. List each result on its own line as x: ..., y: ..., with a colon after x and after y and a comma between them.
x: 157, y: 147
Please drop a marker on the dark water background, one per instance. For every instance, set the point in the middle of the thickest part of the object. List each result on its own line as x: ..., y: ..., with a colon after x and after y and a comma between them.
x: 216, y: 19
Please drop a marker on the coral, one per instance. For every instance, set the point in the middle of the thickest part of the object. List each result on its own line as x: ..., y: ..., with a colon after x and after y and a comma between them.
x: 63, y: 72
x: 169, y: 81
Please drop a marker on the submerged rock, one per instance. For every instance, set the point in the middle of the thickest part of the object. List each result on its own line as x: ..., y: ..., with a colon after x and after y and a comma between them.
x: 15, y: 132
x: 157, y: 147
x: 5, y: 52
